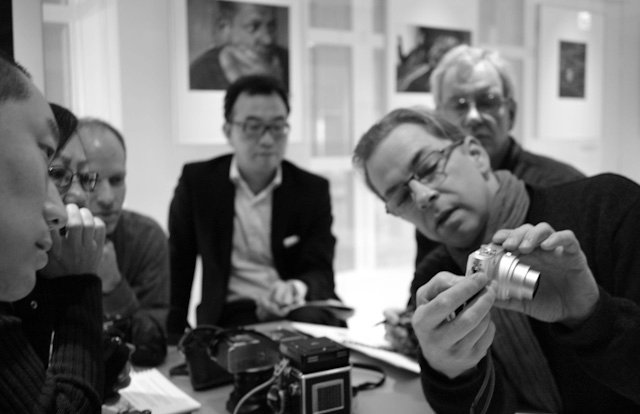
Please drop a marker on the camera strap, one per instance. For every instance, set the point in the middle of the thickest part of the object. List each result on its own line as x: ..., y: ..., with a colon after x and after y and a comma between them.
x: 368, y: 385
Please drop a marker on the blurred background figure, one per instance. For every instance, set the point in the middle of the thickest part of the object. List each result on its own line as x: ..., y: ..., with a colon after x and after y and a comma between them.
x: 135, y: 262
x: 260, y: 224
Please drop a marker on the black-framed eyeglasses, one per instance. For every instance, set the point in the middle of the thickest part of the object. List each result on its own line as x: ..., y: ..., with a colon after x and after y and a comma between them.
x: 62, y: 177
x: 429, y: 170
x: 254, y: 129
x: 484, y: 102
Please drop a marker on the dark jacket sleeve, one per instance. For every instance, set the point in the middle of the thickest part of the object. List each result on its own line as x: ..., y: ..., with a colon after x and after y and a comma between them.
x: 607, y: 344
x: 73, y: 380
x: 143, y: 260
x: 182, y: 257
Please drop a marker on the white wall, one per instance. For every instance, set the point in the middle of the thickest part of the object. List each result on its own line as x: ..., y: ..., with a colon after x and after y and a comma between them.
x: 27, y: 38
x: 155, y: 156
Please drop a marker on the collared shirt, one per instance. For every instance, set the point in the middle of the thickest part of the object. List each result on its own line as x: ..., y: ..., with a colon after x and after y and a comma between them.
x: 252, y: 269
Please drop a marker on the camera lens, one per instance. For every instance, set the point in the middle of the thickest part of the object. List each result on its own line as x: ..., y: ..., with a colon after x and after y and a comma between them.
x: 516, y: 280
x: 524, y: 281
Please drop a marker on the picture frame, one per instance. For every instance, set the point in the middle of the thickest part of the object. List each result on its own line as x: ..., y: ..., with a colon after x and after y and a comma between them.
x: 419, y: 52
x: 202, y: 32
x: 406, y: 22
x: 570, y: 72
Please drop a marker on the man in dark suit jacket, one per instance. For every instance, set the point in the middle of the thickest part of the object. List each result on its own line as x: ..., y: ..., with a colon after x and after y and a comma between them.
x: 261, y: 225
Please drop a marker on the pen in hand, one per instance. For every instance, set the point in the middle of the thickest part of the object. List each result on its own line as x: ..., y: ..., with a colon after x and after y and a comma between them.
x: 402, y: 323
x: 403, y: 320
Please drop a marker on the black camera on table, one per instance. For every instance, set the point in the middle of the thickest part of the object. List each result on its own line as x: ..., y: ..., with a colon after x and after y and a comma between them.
x: 284, y: 372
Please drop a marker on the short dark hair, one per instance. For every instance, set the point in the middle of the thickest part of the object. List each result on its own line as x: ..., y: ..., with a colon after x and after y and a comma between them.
x: 431, y: 121
x: 67, y: 123
x: 15, y: 85
x: 14, y: 80
x: 96, y: 124
x: 253, y: 85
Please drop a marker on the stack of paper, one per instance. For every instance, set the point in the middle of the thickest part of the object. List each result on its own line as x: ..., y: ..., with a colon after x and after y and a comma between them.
x: 150, y: 390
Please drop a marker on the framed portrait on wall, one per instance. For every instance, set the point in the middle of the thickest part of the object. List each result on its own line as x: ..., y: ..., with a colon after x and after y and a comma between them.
x: 418, y: 33
x: 570, y: 73
x: 419, y: 52
x: 218, y: 41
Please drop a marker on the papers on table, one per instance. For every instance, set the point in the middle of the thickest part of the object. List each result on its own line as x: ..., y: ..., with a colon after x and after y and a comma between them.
x: 369, y: 341
x: 150, y: 390
x: 339, y: 309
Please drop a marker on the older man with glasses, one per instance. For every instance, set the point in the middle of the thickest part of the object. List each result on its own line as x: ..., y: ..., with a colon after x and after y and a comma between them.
x: 260, y: 224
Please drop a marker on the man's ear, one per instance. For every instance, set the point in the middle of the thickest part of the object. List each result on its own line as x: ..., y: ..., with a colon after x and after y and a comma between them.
x: 478, y: 153
x: 512, y: 107
x: 226, y: 128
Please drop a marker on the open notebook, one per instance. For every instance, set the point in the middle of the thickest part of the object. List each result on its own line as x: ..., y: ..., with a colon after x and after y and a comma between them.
x: 150, y: 390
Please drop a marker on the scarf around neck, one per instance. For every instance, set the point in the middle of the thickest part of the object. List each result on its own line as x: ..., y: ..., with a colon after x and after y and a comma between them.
x: 515, y: 346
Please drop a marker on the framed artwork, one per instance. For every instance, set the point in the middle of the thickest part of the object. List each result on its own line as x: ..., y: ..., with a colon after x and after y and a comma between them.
x: 419, y: 53
x: 218, y: 41
x: 570, y: 73
x: 573, y: 62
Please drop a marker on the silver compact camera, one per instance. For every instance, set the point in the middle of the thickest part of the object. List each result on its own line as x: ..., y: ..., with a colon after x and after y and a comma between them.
x: 515, y: 280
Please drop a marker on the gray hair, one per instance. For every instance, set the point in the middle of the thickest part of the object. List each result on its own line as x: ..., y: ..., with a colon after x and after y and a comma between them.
x: 469, y: 56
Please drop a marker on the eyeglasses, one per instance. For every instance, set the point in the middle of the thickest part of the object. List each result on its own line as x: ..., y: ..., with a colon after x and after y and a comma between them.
x: 255, y: 129
x: 63, y: 177
x: 429, y: 171
x: 485, y: 102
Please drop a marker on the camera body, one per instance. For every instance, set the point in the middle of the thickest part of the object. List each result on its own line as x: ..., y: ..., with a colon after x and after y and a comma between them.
x: 309, y: 375
x: 515, y: 280
x: 317, y: 379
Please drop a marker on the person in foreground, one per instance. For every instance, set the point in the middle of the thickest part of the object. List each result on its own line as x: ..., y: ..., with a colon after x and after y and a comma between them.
x: 135, y: 263
x: 573, y: 347
x: 261, y: 225
x: 473, y: 88
x: 32, y: 216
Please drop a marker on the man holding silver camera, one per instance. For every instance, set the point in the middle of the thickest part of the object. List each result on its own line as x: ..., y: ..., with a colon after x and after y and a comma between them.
x: 573, y: 346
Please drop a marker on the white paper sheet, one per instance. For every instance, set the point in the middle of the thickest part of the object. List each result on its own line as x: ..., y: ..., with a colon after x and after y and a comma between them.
x: 150, y: 390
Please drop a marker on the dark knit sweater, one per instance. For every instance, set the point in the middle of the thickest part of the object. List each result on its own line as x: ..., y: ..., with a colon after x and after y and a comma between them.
x: 596, y: 366
x: 72, y: 380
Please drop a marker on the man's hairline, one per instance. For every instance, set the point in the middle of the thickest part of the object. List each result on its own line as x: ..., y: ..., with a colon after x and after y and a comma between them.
x: 365, y: 162
x: 250, y: 94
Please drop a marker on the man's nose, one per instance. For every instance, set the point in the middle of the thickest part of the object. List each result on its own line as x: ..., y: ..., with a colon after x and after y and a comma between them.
x: 105, y: 194
x: 76, y: 194
x: 265, y: 35
x: 472, y: 116
x: 267, y: 137
x: 423, y: 195
x: 54, y: 212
